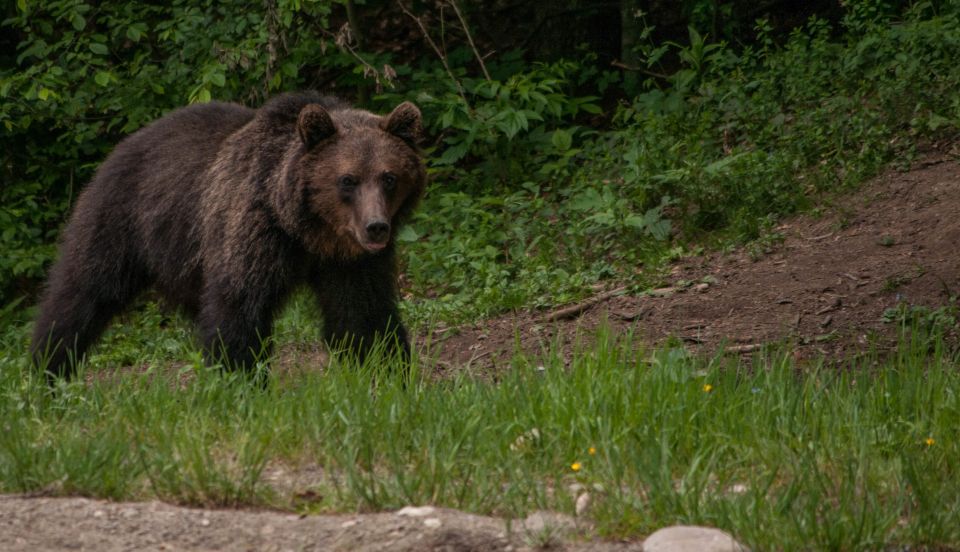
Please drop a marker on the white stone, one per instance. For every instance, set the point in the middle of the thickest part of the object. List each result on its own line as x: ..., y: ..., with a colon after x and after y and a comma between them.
x: 582, y: 504
x: 432, y: 523
x: 416, y: 511
x: 686, y: 538
x: 738, y: 488
x: 350, y: 523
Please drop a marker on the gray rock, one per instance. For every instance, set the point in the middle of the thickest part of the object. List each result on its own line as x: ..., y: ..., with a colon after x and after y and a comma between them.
x: 686, y: 538
x: 543, y: 521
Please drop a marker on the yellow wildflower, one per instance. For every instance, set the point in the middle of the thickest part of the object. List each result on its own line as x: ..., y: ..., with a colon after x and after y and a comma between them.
x: 591, y: 451
x: 707, y: 388
x: 929, y: 441
x: 576, y: 466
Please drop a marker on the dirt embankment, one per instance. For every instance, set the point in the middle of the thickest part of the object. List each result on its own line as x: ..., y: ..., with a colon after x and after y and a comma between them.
x: 825, y: 286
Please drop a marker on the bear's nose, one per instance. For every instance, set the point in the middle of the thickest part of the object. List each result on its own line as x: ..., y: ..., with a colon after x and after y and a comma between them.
x: 378, y: 231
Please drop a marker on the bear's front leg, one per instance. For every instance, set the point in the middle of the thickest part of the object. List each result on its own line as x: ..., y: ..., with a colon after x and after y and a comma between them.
x: 236, y: 323
x: 359, y: 305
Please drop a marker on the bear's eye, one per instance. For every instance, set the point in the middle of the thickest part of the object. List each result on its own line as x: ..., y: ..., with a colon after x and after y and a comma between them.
x: 347, y: 183
x: 389, y: 181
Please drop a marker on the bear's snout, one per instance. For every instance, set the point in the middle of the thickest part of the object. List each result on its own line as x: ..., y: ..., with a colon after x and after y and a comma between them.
x: 378, y: 231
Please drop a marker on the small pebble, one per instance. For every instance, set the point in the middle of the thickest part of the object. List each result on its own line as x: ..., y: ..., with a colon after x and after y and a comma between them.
x: 415, y: 511
x: 583, y: 504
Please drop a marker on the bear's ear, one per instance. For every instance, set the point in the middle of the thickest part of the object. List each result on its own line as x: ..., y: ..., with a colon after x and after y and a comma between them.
x: 404, y: 122
x: 315, y: 125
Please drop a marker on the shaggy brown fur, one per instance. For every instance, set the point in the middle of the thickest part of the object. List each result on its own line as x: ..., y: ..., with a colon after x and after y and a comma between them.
x: 225, y: 210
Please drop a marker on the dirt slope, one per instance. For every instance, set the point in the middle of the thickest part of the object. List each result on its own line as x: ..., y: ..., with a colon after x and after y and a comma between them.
x: 826, y: 285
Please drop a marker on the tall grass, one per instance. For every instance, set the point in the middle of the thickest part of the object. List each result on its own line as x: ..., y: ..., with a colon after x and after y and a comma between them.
x: 783, y: 456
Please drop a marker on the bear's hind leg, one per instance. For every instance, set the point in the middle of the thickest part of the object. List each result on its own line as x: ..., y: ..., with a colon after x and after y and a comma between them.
x: 74, y: 312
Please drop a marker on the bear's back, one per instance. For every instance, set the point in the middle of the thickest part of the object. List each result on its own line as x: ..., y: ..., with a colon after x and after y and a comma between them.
x: 151, y: 185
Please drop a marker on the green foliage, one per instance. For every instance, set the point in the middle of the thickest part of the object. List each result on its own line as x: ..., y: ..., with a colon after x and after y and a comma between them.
x: 537, y: 194
x: 504, y: 124
x: 86, y: 74
x: 719, y: 149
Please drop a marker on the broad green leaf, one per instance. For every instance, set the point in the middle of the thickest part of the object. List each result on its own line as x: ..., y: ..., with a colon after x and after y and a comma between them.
x: 407, y: 234
x: 102, y: 78
x: 636, y: 221
x: 587, y: 200
x: 719, y: 166
x: 561, y: 139
x: 78, y: 22
x: 98, y: 48
x: 593, y: 109
x: 453, y: 154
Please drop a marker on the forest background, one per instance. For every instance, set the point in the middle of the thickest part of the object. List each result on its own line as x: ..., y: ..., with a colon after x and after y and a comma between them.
x: 569, y: 142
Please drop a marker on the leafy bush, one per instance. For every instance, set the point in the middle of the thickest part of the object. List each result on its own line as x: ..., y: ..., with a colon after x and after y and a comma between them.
x: 724, y: 145
x: 537, y: 195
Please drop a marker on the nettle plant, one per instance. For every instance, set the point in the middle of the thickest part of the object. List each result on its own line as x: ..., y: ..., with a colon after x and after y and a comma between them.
x: 505, y: 129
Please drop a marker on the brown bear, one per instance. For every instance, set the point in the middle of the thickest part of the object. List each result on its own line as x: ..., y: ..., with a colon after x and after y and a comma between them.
x: 225, y: 210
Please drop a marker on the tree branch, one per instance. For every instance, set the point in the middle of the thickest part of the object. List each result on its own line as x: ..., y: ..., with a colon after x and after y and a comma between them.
x: 466, y: 30
x: 436, y: 49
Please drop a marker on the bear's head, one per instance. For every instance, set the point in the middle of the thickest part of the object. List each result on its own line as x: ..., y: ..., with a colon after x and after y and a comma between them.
x: 359, y: 177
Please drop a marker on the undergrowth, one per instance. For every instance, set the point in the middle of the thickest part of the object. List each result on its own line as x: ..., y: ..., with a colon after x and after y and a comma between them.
x: 713, y: 153
x: 548, y: 179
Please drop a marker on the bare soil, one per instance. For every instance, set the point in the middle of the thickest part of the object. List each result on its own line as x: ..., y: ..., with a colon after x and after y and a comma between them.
x: 824, y: 286
x: 47, y: 524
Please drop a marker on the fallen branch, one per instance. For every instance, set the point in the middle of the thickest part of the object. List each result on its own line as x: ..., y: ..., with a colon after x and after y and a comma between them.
x: 740, y: 349
x: 575, y: 310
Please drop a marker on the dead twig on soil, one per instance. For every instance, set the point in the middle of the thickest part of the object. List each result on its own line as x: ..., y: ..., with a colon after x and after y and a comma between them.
x: 630, y: 316
x: 576, y: 310
x: 741, y: 349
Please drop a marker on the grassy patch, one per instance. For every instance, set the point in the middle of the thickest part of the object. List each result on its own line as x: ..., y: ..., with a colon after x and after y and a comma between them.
x: 784, y: 458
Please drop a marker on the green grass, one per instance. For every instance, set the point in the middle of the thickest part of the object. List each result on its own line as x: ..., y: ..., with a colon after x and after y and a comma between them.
x: 783, y: 456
